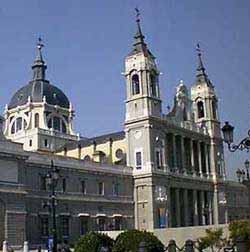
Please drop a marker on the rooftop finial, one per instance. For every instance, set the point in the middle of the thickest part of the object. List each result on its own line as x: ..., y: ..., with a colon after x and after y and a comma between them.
x: 39, y: 66
x: 201, y: 75
x: 40, y: 44
x: 200, y: 68
x: 138, y: 14
x: 198, y: 49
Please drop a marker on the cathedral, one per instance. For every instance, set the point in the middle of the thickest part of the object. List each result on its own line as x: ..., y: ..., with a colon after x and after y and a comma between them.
x: 163, y: 170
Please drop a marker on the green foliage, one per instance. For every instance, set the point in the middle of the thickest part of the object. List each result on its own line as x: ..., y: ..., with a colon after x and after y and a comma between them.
x: 240, y: 229
x: 213, y: 239
x: 93, y: 242
x: 129, y: 241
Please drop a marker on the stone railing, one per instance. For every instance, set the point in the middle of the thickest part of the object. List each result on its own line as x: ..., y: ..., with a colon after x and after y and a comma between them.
x: 188, y: 125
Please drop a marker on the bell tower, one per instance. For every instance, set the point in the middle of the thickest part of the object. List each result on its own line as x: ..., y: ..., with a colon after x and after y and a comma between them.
x: 143, y: 93
x: 205, y: 107
x: 145, y: 140
x: 205, y: 101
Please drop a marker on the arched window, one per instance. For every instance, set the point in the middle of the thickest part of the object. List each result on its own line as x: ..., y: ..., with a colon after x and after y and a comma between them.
x: 56, y: 123
x: 50, y: 123
x: 184, y: 114
x: 19, y: 124
x: 200, y: 108
x: 214, y: 109
x: 87, y: 158
x: 36, y: 120
x: 64, y: 128
x: 135, y: 84
x: 153, y: 82
x: 13, y: 128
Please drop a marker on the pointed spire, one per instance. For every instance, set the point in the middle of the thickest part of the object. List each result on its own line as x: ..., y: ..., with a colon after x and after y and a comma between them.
x: 39, y: 65
x: 200, y: 68
x: 138, y: 35
x: 139, y: 44
x: 201, y: 75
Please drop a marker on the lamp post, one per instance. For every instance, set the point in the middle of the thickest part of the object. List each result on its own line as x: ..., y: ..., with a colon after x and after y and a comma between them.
x: 52, y: 178
x: 247, y: 165
x: 227, y: 131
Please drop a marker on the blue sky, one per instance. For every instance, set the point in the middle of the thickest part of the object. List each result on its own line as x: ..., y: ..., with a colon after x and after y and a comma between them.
x: 86, y: 42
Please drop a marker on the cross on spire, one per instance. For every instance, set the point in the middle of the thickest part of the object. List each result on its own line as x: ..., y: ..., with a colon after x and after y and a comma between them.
x: 201, y: 75
x: 200, y: 68
x: 198, y: 49
x: 40, y: 44
x: 39, y: 66
x: 138, y: 14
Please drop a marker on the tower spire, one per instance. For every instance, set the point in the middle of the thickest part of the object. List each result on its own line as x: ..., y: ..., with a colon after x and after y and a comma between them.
x: 139, y: 44
x: 200, y: 68
x: 39, y: 65
x: 201, y: 75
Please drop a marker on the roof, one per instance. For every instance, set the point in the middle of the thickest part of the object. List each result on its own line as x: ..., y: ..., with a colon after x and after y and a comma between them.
x: 36, y: 90
x: 39, y: 87
x: 139, y: 45
x: 98, y: 140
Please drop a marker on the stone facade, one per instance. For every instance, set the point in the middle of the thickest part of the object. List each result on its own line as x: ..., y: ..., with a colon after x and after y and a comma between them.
x: 82, y: 204
x: 165, y: 170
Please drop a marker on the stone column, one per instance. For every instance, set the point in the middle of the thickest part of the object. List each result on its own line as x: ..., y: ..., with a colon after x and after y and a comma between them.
x: 174, y: 153
x: 216, y: 205
x: 186, y: 208
x: 136, y: 207
x: 200, y: 163
x: 195, y: 205
x: 183, y: 160
x: 202, y: 198
x: 151, y: 208
x: 210, y: 207
x: 177, y: 207
x: 192, y: 155
x: 168, y: 207
x: 206, y: 158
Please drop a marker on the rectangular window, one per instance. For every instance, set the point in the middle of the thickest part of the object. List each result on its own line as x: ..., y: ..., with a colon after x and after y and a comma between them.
x: 101, y: 224
x: 45, y: 142
x: 64, y: 226
x: 158, y: 157
x: 84, y: 225
x: 83, y: 187
x: 64, y: 185
x: 117, y: 223
x: 44, y: 226
x: 115, y: 189
x: 43, y: 184
x: 138, y: 160
x: 101, y: 188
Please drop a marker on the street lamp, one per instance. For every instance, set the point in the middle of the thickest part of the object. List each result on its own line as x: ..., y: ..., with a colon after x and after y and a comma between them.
x: 52, y: 178
x: 247, y: 165
x: 227, y: 131
x: 239, y: 174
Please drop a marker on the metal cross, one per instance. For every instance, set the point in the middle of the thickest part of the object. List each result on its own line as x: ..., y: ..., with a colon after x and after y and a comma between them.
x: 40, y: 44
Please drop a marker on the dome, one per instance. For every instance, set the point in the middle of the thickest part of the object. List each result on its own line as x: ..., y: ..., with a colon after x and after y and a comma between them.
x: 39, y: 87
x: 36, y: 90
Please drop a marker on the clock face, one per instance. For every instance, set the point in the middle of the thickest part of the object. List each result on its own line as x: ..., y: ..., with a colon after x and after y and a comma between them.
x: 119, y: 153
x: 138, y: 134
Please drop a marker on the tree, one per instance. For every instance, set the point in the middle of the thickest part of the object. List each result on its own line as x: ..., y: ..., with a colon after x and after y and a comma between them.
x: 94, y: 242
x: 240, y: 229
x: 129, y: 241
x: 213, y: 239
